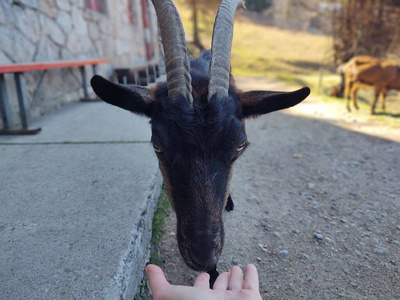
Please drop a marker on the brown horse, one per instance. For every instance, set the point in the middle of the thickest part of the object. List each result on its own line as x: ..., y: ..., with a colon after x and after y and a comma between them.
x: 368, y: 71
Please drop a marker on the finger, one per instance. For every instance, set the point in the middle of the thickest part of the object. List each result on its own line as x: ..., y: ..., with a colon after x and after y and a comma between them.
x: 157, y: 281
x: 251, y: 280
x: 202, y: 281
x: 236, y: 279
x: 221, y: 283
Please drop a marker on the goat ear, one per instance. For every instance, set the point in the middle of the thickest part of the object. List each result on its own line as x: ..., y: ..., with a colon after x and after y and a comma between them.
x: 133, y: 98
x: 255, y: 103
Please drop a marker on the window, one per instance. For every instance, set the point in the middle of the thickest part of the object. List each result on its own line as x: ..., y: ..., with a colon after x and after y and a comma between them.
x: 99, y: 6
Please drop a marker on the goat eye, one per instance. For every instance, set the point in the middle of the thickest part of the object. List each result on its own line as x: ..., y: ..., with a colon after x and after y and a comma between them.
x: 241, y: 147
x: 157, y: 149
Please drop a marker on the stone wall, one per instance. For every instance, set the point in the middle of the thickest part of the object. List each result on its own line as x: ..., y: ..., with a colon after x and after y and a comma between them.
x: 48, y: 30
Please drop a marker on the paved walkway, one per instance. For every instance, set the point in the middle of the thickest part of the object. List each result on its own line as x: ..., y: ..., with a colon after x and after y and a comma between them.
x: 76, y: 205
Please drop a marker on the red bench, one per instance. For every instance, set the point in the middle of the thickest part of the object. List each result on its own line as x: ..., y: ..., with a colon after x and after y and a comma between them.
x: 19, y: 70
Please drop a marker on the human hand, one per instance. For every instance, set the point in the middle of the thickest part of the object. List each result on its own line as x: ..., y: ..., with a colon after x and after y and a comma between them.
x: 229, y: 285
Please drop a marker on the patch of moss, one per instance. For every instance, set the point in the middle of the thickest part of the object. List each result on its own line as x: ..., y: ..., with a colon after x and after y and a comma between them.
x: 162, y: 210
x: 144, y: 291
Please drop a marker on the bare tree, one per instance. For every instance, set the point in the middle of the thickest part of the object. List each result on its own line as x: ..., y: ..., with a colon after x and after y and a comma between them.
x: 195, y: 18
x: 369, y: 27
x: 198, y: 7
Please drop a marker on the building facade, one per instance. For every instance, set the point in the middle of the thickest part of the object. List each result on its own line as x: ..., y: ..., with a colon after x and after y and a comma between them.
x: 53, y: 30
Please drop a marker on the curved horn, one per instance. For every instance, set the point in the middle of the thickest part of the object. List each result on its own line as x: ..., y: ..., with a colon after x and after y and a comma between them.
x: 221, y: 49
x: 177, y: 62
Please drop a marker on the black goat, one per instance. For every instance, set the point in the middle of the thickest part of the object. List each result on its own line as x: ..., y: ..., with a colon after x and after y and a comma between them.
x: 197, y: 120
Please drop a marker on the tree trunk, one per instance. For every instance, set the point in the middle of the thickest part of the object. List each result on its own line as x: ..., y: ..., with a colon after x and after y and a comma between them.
x: 196, y: 37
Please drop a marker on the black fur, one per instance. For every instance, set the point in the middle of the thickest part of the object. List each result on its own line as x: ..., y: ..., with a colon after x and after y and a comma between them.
x: 121, y: 96
x: 229, y: 204
x: 197, y: 146
x: 272, y: 101
x: 213, y: 276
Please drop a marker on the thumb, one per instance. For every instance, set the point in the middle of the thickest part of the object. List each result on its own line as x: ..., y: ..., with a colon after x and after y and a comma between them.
x: 157, y: 281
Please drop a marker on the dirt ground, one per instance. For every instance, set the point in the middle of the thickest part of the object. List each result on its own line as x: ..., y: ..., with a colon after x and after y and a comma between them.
x: 317, y: 205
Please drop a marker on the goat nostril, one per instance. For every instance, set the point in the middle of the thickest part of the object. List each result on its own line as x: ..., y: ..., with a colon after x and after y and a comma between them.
x: 202, y: 261
x: 202, y: 257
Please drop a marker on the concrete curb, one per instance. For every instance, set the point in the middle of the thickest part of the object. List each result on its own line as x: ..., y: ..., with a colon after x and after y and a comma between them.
x: 126, y: 283
x: 77, y: 204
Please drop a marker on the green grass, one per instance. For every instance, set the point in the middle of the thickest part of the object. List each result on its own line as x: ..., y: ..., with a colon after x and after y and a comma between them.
x: 144, y: 291
x: 263, y: 50
x: 162, y: 210
x: 296, y: 58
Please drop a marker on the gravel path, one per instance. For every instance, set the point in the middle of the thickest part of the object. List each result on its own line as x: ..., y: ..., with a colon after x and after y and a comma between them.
x: 317, y: 207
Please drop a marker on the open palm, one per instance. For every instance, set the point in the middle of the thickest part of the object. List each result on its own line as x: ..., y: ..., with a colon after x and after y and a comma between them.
x: 229, y: 285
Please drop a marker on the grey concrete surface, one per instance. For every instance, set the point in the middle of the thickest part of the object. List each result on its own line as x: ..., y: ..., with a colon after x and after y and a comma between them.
x: 76, y: 205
